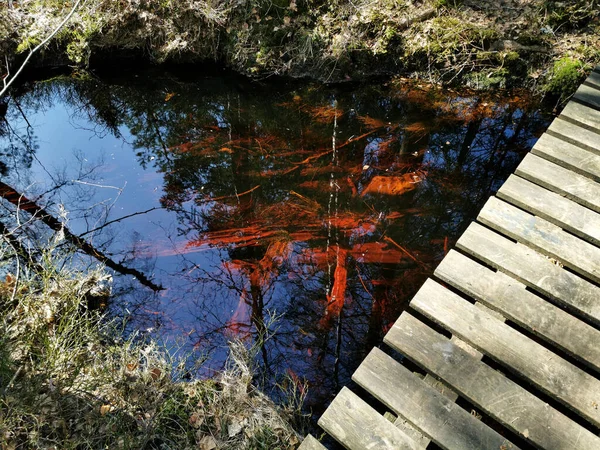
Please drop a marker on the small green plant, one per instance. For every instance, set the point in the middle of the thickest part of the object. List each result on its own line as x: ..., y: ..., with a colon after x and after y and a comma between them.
x: 570, y: 14
x: 448, y: 3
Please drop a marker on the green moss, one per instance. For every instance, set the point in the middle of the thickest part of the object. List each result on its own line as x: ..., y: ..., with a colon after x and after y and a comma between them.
x: 448, y: 3
x: 28, y: 43
x: 510, y: 57
x: 565, y: 77
x: 488, y: 79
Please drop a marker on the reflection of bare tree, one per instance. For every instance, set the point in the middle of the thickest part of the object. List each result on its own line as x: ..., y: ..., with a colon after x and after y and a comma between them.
x: 24, y: 204
x: 343, y: 297
x: 19, y: 146
x: 265, y: 222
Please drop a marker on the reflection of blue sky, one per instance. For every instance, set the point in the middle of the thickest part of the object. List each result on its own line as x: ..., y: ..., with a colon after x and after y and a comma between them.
x: 63, y: 135
x: 201, y: 294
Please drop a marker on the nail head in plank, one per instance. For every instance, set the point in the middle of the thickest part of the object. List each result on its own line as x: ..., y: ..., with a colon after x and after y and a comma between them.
x: 532, y: 269
x: 558, y: 378
x: 588, y: 95
x: 310, y: 443
x: 508, y: 296
x: 488, y: 389
x: 575, y: 135
x: 356, y: 425
x: 587, y: 117
x: 446, y: 423
x: 568, y: 156
x: 553, y: 207
x: 563, y: 181
x: 543, y: 236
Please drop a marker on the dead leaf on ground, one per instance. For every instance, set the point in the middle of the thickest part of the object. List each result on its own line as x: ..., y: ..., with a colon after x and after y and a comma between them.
x: 207, y: 443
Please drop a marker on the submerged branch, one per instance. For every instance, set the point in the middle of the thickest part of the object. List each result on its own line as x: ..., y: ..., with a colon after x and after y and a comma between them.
x: 226, y: 197
x: 405, y: 251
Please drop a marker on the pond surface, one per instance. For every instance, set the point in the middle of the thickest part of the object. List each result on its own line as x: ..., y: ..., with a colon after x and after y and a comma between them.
x: 296, y: 217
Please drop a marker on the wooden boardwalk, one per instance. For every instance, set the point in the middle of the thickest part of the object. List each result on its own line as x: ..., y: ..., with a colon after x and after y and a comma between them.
x: 508, y: 328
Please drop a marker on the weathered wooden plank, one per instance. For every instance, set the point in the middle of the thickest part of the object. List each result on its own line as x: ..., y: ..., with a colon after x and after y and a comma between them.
x: 550, y: 373
x: 568, y: 155
x: 543, y: 236
x: 356, y: 425
x: 310, y: 443
x: 448, y: 425
x: 588, y: 95
x: 558, y: 179
x: 587, y: 117
x: 593, y: 80
x: 575, y: 134
x: 488, y: 389
x: 421, y: 440
x: 555, y: 208
x: 508, y: 296
x: 532, y: 269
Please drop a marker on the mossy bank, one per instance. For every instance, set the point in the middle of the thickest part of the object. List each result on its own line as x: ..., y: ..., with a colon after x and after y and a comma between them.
x: 544, y: 45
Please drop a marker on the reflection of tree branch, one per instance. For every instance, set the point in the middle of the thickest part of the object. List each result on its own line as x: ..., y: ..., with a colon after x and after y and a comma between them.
x: 362, y: 281
x: 152, y: 116
x: 32, y: 208
x: 19, y: 249
x: 338, y: 348
x: 21, y: 111
x: 110, y: 222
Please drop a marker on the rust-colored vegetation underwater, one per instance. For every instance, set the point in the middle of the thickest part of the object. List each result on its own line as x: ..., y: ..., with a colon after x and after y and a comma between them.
x: 298, y: 219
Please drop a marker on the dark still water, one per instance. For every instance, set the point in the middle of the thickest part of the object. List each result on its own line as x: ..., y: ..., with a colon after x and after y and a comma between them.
x: 296, y: 216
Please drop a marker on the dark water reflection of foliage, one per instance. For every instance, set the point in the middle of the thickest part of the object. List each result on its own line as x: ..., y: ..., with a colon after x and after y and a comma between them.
x: 324, y: 207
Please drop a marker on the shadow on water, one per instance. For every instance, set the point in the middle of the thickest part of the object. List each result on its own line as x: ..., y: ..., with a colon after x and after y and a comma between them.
x: 296, y: 217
